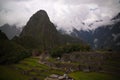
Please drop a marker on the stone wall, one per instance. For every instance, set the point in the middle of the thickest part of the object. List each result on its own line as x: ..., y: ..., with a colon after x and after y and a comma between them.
x: 95, y: 61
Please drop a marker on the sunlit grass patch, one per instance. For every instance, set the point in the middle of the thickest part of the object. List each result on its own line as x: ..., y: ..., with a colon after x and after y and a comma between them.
x: 93, y: 76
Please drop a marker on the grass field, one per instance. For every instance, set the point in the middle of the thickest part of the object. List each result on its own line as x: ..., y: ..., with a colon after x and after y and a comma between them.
x: 7, y: 73
x: 30, y: 68
x: 93, y: 76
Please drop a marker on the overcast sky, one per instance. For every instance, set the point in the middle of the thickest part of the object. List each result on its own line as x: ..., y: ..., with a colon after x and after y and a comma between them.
x: 66, y: 14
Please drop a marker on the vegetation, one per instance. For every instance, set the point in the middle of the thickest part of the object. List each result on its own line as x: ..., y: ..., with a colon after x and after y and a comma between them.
x: 68, y: 48
x: 93, y: 76
x: 30, y: 68
x: 10, y: 52
x: 8, y: 73
x: 27, y: 69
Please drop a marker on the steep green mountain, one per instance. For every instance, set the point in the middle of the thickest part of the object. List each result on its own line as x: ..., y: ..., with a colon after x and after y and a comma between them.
x: 10, y: 52
x: 40, y: 32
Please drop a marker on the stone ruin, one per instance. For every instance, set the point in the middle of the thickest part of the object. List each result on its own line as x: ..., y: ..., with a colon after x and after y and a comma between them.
x: 58, y: 77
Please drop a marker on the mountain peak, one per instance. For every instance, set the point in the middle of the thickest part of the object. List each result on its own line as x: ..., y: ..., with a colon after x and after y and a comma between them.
x: 38, y: 22
x: 42, y: 12
x: 116, y: 17
x: 40, y: 15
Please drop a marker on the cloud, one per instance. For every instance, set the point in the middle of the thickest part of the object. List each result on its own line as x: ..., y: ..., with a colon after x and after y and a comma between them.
x: 66, y: 14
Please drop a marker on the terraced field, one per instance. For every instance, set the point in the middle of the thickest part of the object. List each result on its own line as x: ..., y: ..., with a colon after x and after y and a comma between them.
x: 27, y: 69
x: 31, y: 69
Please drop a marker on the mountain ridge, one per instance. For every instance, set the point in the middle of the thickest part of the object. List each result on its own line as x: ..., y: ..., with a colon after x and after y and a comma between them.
x: 103, y: 37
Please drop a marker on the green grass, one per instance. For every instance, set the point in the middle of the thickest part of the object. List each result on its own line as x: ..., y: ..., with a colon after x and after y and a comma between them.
x: 7, y: 73
x: 93, y: 76
x: 31, y: 66
x: 30, y: 63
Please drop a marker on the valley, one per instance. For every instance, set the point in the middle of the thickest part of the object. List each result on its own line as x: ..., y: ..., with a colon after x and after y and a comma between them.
x: 41, y: 52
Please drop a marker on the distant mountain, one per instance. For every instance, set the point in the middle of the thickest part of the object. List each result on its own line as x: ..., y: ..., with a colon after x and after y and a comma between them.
x: 40, y: 32
x: 108, y: 36
x: 104, y: 37
x: 10, y: 31
x: 84, y: 35
x: 116, y: 17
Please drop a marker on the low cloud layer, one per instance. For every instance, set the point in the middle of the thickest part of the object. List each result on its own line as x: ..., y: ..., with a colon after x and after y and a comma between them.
x: 66, y: 14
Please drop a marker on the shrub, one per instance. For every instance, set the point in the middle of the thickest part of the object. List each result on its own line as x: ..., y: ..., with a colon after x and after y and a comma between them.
x: 11, y: 52
x: 68, y: 48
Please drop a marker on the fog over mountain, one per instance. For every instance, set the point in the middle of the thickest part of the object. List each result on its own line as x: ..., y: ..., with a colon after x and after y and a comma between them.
x: 66, y: 14
x: 11, y: 30
x: 104, y: 37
